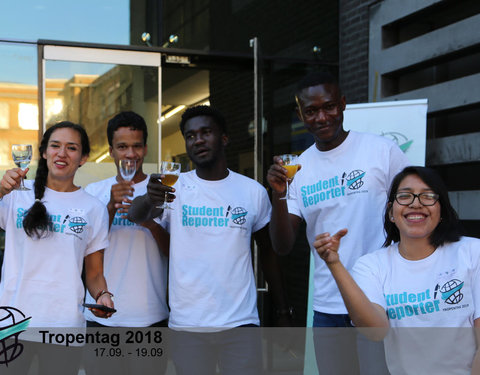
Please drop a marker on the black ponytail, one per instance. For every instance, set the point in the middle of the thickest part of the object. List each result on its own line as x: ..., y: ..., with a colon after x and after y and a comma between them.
x: 36, y: 222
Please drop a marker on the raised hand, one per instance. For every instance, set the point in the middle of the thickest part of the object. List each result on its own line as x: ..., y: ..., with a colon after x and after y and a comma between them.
x: 327, y: 246
x: 119, y: 196
x: 277, y: 175
x: 11, y: 180
x: 156, y: 190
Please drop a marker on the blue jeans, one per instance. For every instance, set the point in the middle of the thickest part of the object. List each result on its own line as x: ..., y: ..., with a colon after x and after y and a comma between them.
x: 343, y: 351
x: 335, y: 344
x: 331, y: 320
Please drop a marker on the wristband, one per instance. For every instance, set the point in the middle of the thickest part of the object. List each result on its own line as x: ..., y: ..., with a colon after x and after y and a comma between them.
x: 101, y: 293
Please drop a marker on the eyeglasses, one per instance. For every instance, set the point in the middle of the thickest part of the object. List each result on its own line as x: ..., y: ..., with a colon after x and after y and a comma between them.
x: 406, y: 198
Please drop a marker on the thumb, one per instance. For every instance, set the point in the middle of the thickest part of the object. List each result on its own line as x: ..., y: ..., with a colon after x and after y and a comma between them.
x: 342, y: 232
x: 23, y: 173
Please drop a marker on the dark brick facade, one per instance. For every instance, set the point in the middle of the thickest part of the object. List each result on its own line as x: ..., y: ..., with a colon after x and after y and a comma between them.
x: 353, y: 42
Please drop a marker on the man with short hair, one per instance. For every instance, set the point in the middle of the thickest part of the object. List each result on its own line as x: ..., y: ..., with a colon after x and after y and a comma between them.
x: 211, y: 282
x: 343, y: 183
x: 134, y: 267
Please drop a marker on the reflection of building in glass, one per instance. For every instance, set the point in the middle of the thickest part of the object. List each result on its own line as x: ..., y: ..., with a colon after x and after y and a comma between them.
x: 18, y: 119
x: 91, y: 100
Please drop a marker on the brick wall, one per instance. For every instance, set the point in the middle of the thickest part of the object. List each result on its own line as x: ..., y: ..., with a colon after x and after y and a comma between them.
x: 353, y: 50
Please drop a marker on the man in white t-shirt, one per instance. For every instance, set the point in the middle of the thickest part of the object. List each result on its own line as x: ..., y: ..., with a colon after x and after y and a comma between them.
x: 343, y: 182
x: 134, y: 266
x: 212, y: 288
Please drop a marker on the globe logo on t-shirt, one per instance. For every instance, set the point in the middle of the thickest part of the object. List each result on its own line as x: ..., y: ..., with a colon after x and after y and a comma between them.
x: 354, y: 179
x: 239, y: 215
x: 451, y: 291
x: 12, y: 323
x: 76, y: 224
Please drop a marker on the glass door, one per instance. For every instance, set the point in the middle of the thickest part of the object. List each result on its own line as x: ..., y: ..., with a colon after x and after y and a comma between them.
x: 89, y: 86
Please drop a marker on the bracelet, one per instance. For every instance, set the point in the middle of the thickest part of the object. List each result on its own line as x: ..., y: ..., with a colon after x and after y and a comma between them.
x: 282, y: 312
x: 101, y: 293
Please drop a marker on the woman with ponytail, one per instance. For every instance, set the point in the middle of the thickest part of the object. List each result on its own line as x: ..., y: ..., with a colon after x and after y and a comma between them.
x: 50, y: 231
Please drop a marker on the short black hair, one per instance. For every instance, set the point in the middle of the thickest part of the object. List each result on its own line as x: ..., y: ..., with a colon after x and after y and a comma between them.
x: 314, y: 79
x: 127, y: 119
x: 449, y: 228
x: 204, y: 110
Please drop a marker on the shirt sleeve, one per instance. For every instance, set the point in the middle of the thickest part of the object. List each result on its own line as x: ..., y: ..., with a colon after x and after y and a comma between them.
x: 99, y: 237
x: 366, y: 274
x: 475, y: 250
x: 264, y: 212
x: 5, y: 208
x: 292, y: 204
x: 398, y: 161
x: 164, y: 220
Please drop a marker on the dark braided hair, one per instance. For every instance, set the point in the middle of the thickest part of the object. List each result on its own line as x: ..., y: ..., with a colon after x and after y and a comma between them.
x: 37, y: 220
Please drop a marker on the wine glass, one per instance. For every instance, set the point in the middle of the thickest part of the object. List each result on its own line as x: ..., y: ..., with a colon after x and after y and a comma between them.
x: 290, y: 163
x: 22, y: 154
x: 171, y: 171
x: 127, y: 168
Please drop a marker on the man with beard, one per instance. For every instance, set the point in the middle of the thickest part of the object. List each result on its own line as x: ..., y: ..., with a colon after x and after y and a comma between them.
x: 211, y: 282
x: 343, y: 183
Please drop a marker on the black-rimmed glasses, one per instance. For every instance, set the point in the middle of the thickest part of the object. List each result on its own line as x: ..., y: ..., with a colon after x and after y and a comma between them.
x: 406, y: 198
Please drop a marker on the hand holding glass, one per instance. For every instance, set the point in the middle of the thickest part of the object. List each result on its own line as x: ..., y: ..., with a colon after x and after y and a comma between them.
x: 128, y: 168
x: 290, y: 163
x: 22, y: 154
x: 171, y: 171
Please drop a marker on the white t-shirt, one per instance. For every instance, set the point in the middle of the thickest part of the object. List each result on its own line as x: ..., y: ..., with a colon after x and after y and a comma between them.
x: 211, y: 278
x: 442, y: 290
x: 346, y: 187
x: 42, y: 277
x: 135, y: 269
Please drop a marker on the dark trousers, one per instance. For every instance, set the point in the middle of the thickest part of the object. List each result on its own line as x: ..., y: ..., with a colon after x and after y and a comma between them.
x: 235, y: 351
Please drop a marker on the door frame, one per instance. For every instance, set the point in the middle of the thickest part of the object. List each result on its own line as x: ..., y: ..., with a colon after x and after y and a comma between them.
x: 105, y: 55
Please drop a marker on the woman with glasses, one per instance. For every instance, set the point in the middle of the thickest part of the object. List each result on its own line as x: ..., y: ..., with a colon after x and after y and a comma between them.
x: 427, y: 275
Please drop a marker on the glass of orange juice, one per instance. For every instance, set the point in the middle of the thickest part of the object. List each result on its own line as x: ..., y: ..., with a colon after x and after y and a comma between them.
x: 290, y: 163
x: 171, y: 171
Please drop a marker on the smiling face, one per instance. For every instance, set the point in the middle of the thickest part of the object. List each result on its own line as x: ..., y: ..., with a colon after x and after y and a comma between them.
x: 321, y: 110
x: 64, y: 155
x: 127, y: 143
x: 204, y: 141
x: 415, y: 221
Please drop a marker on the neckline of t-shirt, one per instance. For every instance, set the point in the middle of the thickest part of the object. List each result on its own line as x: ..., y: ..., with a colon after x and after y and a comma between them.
x: 428, y: 259
x: 64, y: 193
x: 212, y: 182
x: 144, y: 181
x: 345, y: 144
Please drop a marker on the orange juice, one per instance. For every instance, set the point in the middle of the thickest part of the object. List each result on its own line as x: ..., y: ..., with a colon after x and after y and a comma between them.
x: 291, y: 170
x: 170, y: 179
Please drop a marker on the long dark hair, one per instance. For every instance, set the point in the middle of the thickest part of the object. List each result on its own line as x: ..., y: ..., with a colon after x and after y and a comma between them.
x: 36, y: 221
x: 449, y: 228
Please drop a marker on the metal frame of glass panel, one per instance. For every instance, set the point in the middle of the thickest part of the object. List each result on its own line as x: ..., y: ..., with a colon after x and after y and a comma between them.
x: 96, y: 55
